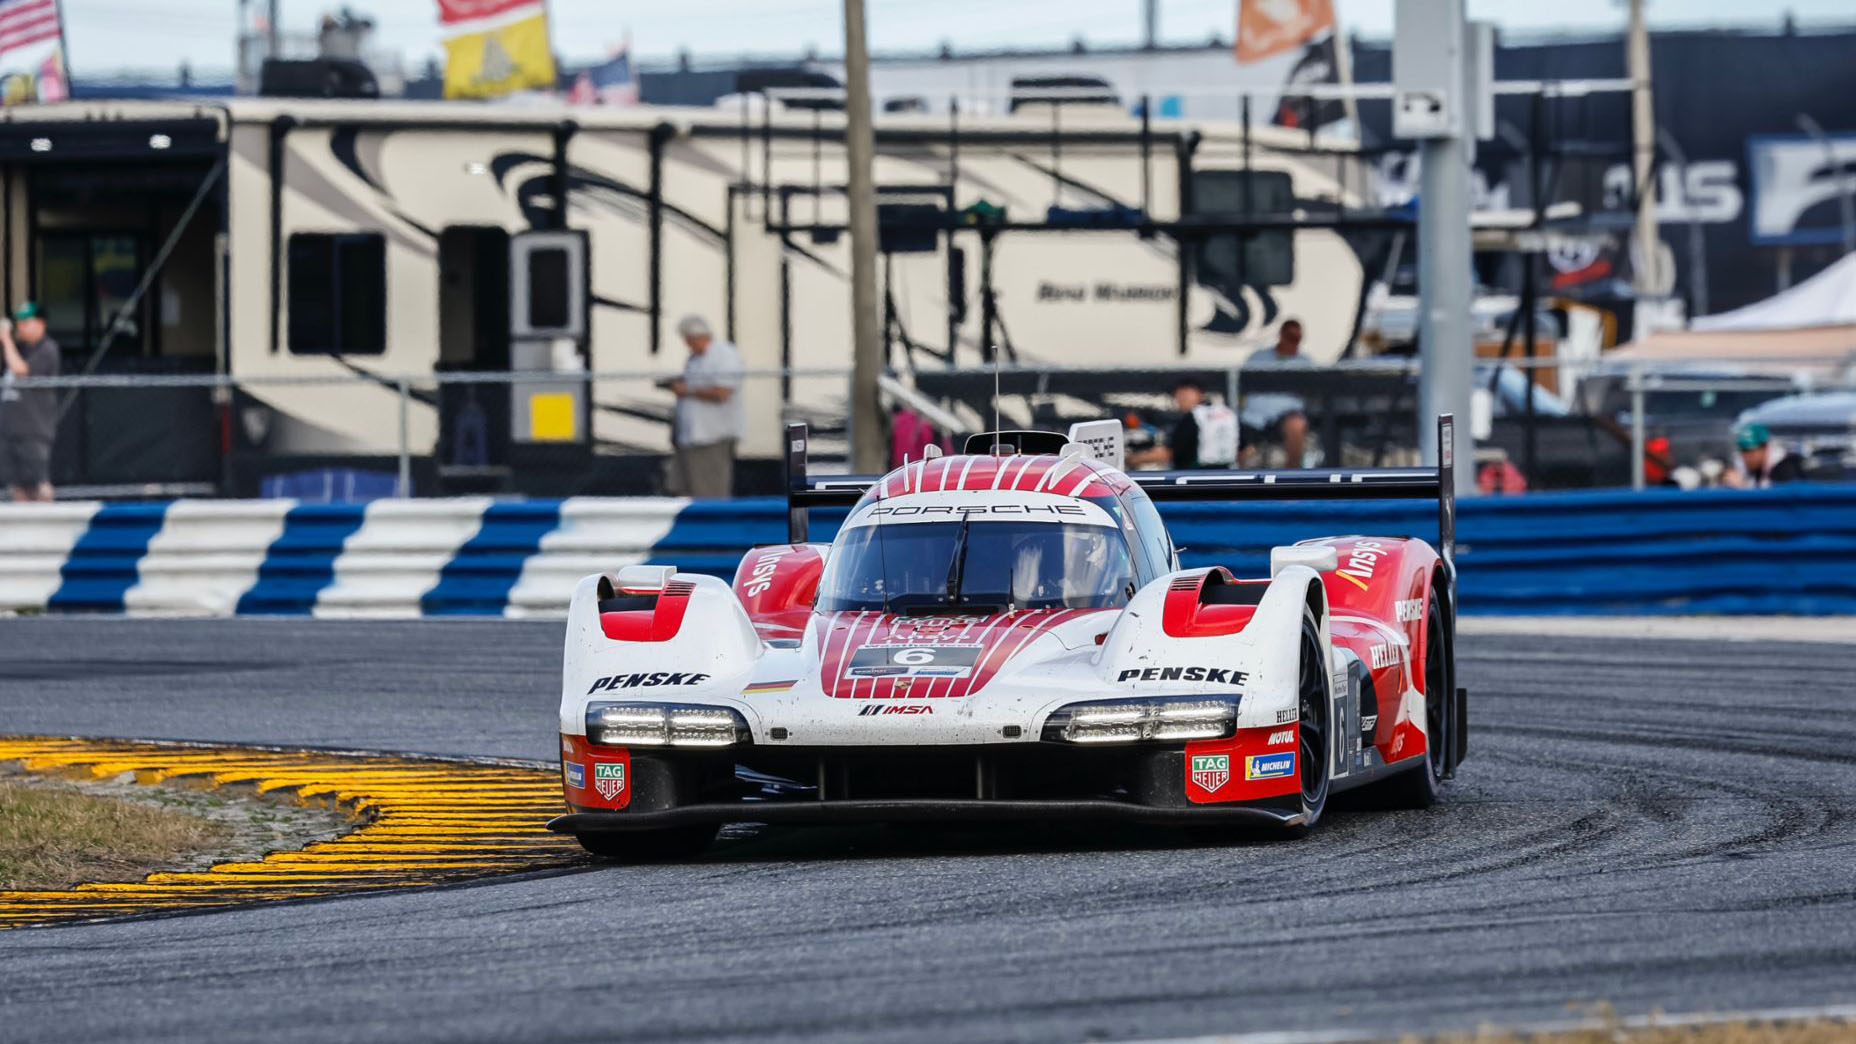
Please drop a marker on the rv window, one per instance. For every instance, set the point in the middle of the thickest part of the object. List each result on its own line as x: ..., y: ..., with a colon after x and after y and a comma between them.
x: 338, y: 294
x: 1265, y: 258
x: 548, y: 292
x: 85, y: 277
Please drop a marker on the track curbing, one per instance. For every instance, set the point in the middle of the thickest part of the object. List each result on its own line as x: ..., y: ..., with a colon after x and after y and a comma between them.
x: 420, y: 822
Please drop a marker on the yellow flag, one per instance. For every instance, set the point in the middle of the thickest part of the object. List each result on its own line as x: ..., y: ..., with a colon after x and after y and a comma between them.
x: 510, y: 57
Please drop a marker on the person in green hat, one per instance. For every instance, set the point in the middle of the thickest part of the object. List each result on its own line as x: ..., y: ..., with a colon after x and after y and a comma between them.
x: 28, y: 416
x: 1762, y: 461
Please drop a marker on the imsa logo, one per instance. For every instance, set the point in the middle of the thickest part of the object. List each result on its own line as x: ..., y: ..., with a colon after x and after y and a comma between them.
x: 1211, y: 771
x: 609, y: 779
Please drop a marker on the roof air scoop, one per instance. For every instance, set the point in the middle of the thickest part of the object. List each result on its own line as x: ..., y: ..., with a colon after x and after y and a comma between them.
x: 1006, y: 443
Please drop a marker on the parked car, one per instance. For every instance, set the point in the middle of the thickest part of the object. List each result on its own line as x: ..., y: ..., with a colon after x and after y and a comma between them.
x: 1820, y: 426
x: 1693, y: 408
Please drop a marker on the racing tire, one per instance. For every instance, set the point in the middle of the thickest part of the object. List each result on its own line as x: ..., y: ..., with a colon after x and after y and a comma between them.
x: 1422, y: 784
x: 1314, y: 755
x: 650, y: 846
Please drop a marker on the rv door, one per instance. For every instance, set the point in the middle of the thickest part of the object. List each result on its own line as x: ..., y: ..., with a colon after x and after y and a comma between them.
x: 548, y: 299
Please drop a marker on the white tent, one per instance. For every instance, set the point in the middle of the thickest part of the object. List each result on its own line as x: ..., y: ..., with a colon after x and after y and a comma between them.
x: 1826, y: 299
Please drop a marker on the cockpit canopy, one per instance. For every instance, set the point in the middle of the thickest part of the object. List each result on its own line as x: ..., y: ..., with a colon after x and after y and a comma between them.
x: 995, y: 550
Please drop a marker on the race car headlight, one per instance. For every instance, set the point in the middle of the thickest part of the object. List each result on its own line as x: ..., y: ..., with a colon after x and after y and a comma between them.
x: 1132, y: 721
x: 664, y: 725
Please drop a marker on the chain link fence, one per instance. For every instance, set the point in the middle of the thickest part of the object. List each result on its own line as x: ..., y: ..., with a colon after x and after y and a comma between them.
x: 360, y: 436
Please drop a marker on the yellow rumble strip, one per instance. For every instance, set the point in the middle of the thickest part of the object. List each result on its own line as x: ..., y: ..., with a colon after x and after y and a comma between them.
x: 419, y: 821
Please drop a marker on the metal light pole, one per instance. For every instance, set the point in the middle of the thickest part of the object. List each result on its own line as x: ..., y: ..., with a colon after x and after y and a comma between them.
x: 1435, y: 103
x: 1643, y: 149
x: 868, y: 453
x: 1844, y: 201
x: 1444, y: 280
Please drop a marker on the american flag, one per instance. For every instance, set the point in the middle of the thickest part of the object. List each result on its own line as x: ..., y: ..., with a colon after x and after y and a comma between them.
x: 610, y: 83
x: 27, y: 22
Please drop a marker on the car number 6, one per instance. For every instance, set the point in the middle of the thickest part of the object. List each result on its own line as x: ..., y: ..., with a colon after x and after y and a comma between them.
x: 913, y: 657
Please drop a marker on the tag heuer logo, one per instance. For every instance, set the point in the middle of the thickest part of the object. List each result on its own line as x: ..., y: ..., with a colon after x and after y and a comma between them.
x: 1211, y: 771
x: 609, y: 780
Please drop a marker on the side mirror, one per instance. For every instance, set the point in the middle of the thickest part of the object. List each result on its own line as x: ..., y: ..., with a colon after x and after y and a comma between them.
x: 1322, y: 558
x: 640, y: 579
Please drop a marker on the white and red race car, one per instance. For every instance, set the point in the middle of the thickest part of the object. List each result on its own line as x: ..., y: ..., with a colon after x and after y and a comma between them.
x: 1007, y: 634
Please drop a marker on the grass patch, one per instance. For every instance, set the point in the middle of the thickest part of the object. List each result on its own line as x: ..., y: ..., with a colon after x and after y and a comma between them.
x: 54, y: 837
x: 1803, y: 1031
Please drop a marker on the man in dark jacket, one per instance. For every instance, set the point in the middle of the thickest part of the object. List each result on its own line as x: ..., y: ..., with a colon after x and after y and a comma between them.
x: 28, y: 416
x: 1763, y: 462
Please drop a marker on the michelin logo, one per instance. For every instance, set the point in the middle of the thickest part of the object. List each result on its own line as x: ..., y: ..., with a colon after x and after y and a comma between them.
x: 1269, y: 766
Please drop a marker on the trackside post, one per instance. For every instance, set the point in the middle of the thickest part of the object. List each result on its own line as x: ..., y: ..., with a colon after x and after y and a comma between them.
x: 797, y: 517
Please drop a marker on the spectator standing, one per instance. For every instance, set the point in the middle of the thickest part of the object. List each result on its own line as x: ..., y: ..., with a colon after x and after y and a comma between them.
x: 28, y: 416
x: 1279, y: 416
x: 1763, y: 462
x: 910, y: 435
x: 709, y: 420
x: 1205, y: 436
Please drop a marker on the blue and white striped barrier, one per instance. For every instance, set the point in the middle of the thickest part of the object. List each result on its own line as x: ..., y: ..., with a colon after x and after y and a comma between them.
x: 389, y: 558
x: 1787, y: 550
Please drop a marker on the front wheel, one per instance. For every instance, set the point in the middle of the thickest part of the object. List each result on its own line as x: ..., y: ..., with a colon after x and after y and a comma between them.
x: 649, y: 846
x: 1313, y: 753
x: 1421, y: 785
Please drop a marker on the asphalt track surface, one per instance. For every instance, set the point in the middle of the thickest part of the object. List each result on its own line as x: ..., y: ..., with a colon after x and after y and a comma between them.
x: 1655, y: 824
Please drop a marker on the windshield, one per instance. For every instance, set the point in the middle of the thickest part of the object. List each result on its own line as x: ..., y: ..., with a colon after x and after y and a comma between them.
x: 1004, y: 564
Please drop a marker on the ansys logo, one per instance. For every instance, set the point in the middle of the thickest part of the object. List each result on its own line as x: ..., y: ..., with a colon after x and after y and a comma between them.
x: 1211, y: 771
x: 1362, y: 557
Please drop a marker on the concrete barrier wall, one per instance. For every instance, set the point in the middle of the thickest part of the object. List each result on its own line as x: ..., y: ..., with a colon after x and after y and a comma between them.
x: 1788, y: 550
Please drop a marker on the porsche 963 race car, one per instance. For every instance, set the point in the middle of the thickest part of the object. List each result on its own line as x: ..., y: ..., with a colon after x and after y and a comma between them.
x: 1007, y: 634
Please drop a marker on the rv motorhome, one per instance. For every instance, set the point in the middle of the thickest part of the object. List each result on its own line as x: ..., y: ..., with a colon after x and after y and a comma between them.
x: 317, y: 252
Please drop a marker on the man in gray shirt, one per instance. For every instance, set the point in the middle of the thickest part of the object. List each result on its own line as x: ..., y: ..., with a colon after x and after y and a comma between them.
x: 1280, y: 416
x: 709, y: 419
x: 28, y: 416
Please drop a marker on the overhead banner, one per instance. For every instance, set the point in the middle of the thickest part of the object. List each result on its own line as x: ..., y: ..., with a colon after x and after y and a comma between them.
x: 1270, y: 27
x: 1799, y: 187
x: 495, y: 47
x: 32, y: 52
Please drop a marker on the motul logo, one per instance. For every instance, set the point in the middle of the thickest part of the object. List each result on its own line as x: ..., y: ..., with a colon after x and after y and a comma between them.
x: 1277, y: 739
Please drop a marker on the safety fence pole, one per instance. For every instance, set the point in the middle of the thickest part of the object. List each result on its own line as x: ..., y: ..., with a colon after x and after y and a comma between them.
x: 1636, y: 426
x: 405, y: 481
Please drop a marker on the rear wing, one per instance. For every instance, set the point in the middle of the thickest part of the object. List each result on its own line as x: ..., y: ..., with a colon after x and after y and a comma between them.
x: 804, y: 492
